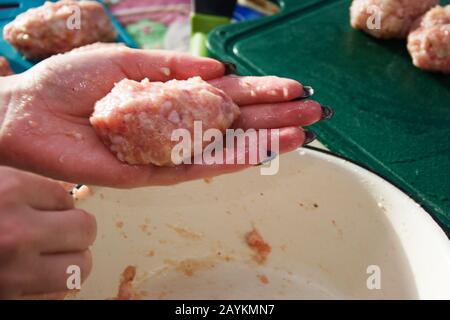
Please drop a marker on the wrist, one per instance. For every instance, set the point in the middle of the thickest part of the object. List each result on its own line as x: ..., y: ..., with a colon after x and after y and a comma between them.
x: 5, y: 99
x: 6, y: 85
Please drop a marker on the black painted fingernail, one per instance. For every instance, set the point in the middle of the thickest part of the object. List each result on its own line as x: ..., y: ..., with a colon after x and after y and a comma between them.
x: 310, y: 136
x: 230, y: 67
x: 271, y: 155
x: 327, y: 113
x: 307, y: 92
x: 76, y: 187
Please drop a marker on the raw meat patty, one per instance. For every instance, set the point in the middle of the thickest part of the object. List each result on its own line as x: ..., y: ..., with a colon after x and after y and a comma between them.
x: 41, y: 32
x: 136, y: 119
x: 396, y: 16
x: 429, y: 41
x: 5, y: 70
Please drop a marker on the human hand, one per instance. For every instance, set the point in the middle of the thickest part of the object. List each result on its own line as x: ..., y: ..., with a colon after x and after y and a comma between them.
x: 41, y: 234
x: 46, y: 124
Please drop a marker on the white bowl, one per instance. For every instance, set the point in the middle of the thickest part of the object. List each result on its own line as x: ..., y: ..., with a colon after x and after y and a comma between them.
x: 336, y: 231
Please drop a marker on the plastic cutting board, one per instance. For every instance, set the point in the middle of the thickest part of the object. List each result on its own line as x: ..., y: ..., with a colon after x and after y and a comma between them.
x: 389, y: 116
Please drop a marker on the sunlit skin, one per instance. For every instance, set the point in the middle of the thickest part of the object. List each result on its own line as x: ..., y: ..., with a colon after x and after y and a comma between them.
x: 45, y: 113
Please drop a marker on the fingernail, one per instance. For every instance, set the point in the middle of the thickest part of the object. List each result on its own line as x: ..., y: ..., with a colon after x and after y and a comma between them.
x: 307, y: 92
x: 230, y: 67
x: 270, y: 156
x: 327, y: 113
x: 310, y: 136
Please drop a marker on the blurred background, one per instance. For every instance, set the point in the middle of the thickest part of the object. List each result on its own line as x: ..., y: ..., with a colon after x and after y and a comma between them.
x: 165, y: 24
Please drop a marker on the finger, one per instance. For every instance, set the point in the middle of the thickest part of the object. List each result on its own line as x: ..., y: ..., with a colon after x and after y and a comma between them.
x: 66, y: 231
x: 161, y: 65
x: 91, y: 73
x: 257, y: 90
x: 43, y: 194
x: 50, y: 274
x: 106, y: 170
x: 289, y: 139
x: 113, y: 173
x: 96, y: 46
x: 287, y: 114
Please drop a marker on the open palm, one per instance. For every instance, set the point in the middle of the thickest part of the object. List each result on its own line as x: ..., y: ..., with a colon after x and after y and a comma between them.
x: 46, y: 124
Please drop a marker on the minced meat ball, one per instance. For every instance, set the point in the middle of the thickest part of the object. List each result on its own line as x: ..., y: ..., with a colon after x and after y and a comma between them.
x: 136, y: 119
x: 396, y: 16
x: 429, y: 41
x: 51, y: 29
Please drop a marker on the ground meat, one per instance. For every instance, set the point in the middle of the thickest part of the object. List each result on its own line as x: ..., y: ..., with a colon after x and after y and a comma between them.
x: 256, y: 242
x: 136, y: 119
x: 429, y: 41
x: 396, y: 16
x: 126, y: 291
x: 5, y: 69
x: 44, y: 31
x: 263, y: 278
x: 81, y: 193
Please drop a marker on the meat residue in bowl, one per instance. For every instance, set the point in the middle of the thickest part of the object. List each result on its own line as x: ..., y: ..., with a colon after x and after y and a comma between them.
x: 185, y: 233
x: 82, y: 192
x: 126, y: 291
x: 189, y: 267
x: 256, y: 242
x: 263, y: 279
x: 208, y: 180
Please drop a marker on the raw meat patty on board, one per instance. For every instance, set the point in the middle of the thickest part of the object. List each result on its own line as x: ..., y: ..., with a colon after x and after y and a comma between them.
x: 429, y: 41
x: 396, y: 16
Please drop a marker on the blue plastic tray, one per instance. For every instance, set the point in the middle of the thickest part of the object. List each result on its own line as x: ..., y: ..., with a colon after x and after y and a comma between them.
x: 9, y: 9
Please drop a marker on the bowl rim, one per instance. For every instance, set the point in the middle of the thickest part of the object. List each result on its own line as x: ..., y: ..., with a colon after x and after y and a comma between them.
x: 444, y: 229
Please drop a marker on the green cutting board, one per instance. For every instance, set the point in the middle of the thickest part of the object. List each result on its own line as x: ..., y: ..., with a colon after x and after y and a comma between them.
x: 389, y: 116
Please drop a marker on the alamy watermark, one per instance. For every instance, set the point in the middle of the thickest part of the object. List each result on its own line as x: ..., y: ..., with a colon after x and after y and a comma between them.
x: 74, y: 279
x: 236, y: 147
x: 73, y: 22
x: 374, y: 280
x: 374, y: 20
